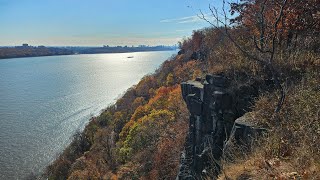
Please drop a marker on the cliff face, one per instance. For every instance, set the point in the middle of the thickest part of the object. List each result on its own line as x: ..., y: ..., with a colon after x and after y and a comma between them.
x: 133, y: 139
x: 214, y: 107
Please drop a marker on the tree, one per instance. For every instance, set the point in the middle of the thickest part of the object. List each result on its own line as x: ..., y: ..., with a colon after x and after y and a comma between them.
x: 252, y: 15
x: 258, y: 16
x: 170, y: 79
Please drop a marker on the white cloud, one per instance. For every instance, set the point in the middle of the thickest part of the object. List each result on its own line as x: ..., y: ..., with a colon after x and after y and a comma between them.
x: 187, y: 19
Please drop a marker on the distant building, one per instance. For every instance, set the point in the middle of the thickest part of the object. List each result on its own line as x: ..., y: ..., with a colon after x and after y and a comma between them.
x: 25, y: 45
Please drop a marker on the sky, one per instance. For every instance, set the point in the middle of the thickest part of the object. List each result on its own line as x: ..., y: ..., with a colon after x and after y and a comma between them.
x: 99, y: 22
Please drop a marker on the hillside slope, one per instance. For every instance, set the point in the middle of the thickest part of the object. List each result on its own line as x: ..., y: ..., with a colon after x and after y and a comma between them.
x: 143, y: 134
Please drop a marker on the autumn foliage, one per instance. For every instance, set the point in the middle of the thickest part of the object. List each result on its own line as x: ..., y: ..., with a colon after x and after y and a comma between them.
x: 258, y: 17
x: 142, y: 134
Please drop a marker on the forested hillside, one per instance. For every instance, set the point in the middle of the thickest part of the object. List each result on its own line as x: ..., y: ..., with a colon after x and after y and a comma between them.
x: 142, y: 135
x: 30, y: 51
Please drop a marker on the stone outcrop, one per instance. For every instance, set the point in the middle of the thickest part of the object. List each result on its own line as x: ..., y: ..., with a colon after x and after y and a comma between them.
x: 213, y: 107
x: 242, y: 136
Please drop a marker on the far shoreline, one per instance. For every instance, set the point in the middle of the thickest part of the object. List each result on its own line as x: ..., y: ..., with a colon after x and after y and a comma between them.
x: 84, y: 54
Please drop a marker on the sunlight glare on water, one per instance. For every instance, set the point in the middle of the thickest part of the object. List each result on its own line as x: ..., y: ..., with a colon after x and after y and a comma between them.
x: 45, y: 100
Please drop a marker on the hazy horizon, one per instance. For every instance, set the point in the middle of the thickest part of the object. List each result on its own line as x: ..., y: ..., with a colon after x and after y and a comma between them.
x: 84, y: 46
x: 98, y: 22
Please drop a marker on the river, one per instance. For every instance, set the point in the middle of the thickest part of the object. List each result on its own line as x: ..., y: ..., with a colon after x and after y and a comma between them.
x: 45, y: 100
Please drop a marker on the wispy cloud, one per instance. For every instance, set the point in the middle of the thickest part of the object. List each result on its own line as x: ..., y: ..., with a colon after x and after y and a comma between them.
x: 184, y: 20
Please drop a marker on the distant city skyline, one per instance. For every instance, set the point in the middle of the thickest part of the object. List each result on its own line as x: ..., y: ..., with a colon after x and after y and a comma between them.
x: 104, y: 45
x: 99, y: 22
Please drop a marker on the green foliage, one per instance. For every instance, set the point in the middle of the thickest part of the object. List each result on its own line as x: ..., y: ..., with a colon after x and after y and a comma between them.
x: 170, y: 79
x: 145, y: 132
x: 142, y: 135
x: 90, y: 131
x: 105, y: 118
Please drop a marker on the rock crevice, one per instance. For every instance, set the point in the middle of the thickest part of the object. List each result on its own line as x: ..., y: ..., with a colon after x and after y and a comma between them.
x: 213, y: 110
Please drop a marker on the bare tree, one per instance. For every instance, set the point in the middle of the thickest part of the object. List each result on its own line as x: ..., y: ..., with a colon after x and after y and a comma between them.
x: 266, y: 53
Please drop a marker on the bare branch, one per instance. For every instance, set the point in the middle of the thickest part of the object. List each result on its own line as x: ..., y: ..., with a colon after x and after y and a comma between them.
x: 274, y: 73
x: 275, y: 28
x: 262, y: 28
x: 258, y: 48
x: 268, y: 63
x: 226, y: 32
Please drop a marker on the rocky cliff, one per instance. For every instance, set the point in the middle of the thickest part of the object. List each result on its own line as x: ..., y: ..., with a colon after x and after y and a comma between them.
x: 214, y: 107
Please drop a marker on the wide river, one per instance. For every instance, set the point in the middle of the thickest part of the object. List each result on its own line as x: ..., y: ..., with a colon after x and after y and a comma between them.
x: 45, y: 100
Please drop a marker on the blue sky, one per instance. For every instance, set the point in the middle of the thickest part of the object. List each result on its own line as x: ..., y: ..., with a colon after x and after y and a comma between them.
x: 99, y: 22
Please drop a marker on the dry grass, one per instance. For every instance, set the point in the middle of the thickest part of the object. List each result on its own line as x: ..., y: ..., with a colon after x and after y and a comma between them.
x: 291, y: 150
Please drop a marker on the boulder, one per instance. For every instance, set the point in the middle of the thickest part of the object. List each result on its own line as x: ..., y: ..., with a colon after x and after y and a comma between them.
x: 242, y: 137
